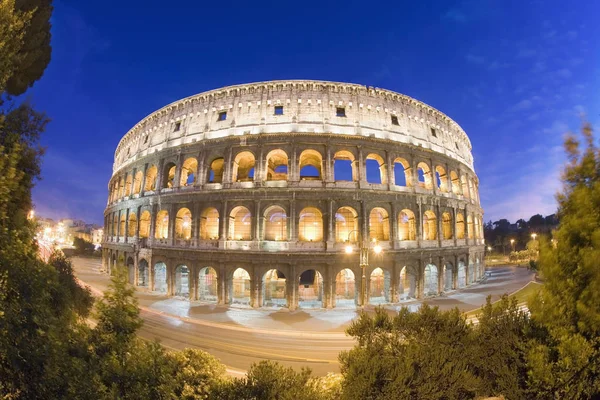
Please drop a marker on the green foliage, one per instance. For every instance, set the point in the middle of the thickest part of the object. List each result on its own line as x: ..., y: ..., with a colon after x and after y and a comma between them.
x: 13, y: 25
x: 82, y: 246
x: 197, y: 374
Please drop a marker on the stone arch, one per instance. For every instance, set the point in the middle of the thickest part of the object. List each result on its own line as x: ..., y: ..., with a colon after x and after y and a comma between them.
x: 379, y: 224
x: 168, y: 177
x: 465, y: 186
x: 379, y: 286
x: 311, y: 165
x: 132, y: 225
x: 277, y: 166
x: 137, y: 182
x: 429, y: 225
x: 209, y: 224
x: 160, y: 277
x: 455, y: 183
x: 460, y: 225
x: 274, y: 289
x: 344, y: 166
x: 275, y: 224
x: 441, y: 179
x: 310, y: 289
x: 128, y: 184
x: 346, y: 222
x: 151, y: 176
x: 182, y: 281
x: 424, y: 176
x: 446, y: 226
x: 122, y: 225
x: 461, y: 274
x: 121, y: 187
x: 143, y: 273
x: 345, y: 288
x: 240, y: 224
x: 407, y: 225
x: 189, y: 170
x: 448, y: 276
x: 471, y: 272
x: 215, y: 171
x: 162, y: 225
x: 130, y: 270
x: 469, y: 226
x: 376, y: 171
x: 241, y: 286
x: 407, y: 284
x: 183, y: 224
x: 310, y: 225
x: 243, y: 167
x: 402, y: 172
x: 430, y: 280
x: 208, y: 285
x: 145, y: 224
x: 115, y: 224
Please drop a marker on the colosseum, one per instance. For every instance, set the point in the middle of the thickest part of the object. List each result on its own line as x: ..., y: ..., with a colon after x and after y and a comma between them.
x: 297, y: 194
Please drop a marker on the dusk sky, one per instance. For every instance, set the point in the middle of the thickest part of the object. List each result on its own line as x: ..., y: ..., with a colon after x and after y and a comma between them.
x: 516, y: 75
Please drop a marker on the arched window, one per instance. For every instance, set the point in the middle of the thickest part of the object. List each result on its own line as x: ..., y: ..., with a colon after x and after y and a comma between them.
x: 274, y: 288
x: 240, y: 287
x: 346, y: 225
x: 469, y: 226
x: 240, y: 224
x: 430, y: 279
x: 460, y: 226
x: 151, y: 175
x: 447, y: 225
x: 209, y: 224
x: 122, y: 226
x: 189, y: 170
x: 115, y: 225
x: 310, y: 226
x: 402, y: 172
x: 424, y: 174
x: 243, y: 167
x: 376, y: 170
x: 121, y: 187
x: 275, y: 224
x: 455, y: 183
x: 183, y: 224
x: 277, y: 165
x: 132, y: 227
x: 476, y: 223
x: 407, y: 226
x: 215, y: 172
x: 137, y: 182
x: 344, y: 166
x: 145, y: 224
x: 429, y: 225
x: 311, y: 163
x: 379, y: 224
x: 345, y: 288
x: 470, y: 183
x: 162, y: 225
x: 128, y: 183
x: 465, y: 186
x: 441, y: 179
x: 168, y: 179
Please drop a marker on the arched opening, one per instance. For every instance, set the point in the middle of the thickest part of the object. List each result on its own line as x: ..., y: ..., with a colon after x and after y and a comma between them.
x: 310, y: 226
x: 346, y: 222
x: 407, y: 287
x: 183, y: 224
x: 189, y: 170
x: 240, y: 224
x: 407, y: 226
x: 465, y: 186
x: 115, y: 225
x: 476, y: 227
x: 274, y: 293
x: 441, y: 178
x: 470, y: 183
x: 345, y: 289
x: 455, y: 183
x: 151, y: 175
x: 424, y: 175
x: 137, y: 182
x: 402, y: 172
x: 145, y: 224
x: 379, y: 287
x: 128, y: 184
x: 429, y: 225
x: 277, y: 165
x: 461, y: 274
x: 275, y: 228
x: 311, y: 163
x: 132, y: 226
x: 215, y: 172
x: 469, y: 226
x: 131, y: 270
x: 121, y: 187
x: 448, y: 277
x: 209, y: 224
x: 168, y: 178
x: 310, y: 289
x: 460, y: 226
x: 344, y: 166
x: 207, y: 285
x: 379, y: 224
x: 143, y: 273
x: 162, y: 225
x: 447, y: 226
x: 243, y: 167
x: 241, y: 286
x: 160, y: 277
x: 376, y: 170
x: 182, y: 281
x: 122, y: 225
x: 471, y: 272
x: 430, y: 284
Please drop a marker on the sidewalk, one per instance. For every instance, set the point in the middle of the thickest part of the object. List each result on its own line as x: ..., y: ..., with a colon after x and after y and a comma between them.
x: 312, y: 323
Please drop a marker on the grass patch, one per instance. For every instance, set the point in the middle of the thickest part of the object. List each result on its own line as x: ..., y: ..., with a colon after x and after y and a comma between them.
x: 522, y: 295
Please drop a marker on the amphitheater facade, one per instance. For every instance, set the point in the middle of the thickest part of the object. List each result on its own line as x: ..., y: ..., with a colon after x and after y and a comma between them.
x: 295, y: 194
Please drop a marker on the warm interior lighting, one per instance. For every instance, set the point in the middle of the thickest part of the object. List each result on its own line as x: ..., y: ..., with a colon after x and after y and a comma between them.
x: 349, y: 249
x: 377, y: 249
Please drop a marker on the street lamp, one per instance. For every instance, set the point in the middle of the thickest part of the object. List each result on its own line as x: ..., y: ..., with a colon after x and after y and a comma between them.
x: 364, y: 260
x: 512, y: 243
x: 533, y: 236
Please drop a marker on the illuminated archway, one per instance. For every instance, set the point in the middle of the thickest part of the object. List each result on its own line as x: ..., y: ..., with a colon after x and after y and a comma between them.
x: 346, y: 222
x: 162, y: 225
x: 274, y: 289
x: 182, y: 281
x: 277, y: 165
x: 145, y: 224
x: 447, y: 226
x: 241, y: 287
x: 243, y: 167
x: 151, y: 176
x: 429, y: 225
x: 375, y: 169
x: 424, y: 175
x: 311, y: 163
x: 132, y: 226
x: 275, y: 228
x: 208, y: 285
x: 240, y: 224
x: 407, y: 226
x: 344, y: 166
x: 183, y: 224
x: 189, y: 170
x: 310, y: 226
x: 215, y: 171
x: 430, y: 284
x: 209, y: 224
x: 402, y: 172
x: 345, y: 289
x: 310, y: 289
x: 379, y: 224
x: 379, y: 287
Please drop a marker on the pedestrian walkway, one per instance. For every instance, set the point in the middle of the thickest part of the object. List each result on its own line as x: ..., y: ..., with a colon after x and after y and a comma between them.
x: 500, y: 280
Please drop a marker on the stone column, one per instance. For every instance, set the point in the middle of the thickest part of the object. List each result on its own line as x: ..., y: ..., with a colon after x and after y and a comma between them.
x: 440, y: 235
x: 256, y: 221
x: 294, y: 167
x: 394, y: 223
x: 362, y: 173
x: 395, y: 276
x: 293, y: 236
x: 201, y: 172
x: 330, y: 224
x: 419, y: 223
x: 143, y: 184
x: 455, y: 274
x: 159, y: 175
x: 223, y: 219
x: 420, y: 279
x: 172, y: 218
x: 126, y: 233
x: 391, y: 173
x: 223, y: 285
x: 415, y: 172
x: 329, y: 172
x: 178, y: 167
x: 441, y: 275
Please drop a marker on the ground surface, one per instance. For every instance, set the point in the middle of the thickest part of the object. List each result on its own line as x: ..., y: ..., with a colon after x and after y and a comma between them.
x: 241, y: 336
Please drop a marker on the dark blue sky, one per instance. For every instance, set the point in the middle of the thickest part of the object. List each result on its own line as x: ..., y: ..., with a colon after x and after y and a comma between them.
x: 516, y: 75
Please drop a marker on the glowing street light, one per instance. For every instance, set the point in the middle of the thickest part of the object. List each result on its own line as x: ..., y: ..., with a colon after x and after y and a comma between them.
x: 512, y: 243
x: 533, y: 236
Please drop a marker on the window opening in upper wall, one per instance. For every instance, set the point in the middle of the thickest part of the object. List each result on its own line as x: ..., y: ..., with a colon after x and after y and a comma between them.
x: 395, y: 120
x: 146, y: 139
x: 222, y: 116
x: 456, y: 144
x: 177, y: 126
x: 278, y: 110
x: 340, y: 112
x: 433, y: 132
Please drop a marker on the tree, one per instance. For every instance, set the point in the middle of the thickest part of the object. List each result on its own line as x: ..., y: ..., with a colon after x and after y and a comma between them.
x: 13, y: 26
x: 566, y: 362
x: 536, y: 222
x: 196, y: 374
x: 82, y: 246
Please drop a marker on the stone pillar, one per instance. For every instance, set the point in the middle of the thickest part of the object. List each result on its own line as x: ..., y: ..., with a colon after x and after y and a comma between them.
x: 455, y: 274
x: 126, y: 233
x: 193, y: 282
x: 153, y: 222
x: 259, y: 168
x: 294, y: 167
x: 201, y: 172
x: 222, y: 285
x: 293, y: 235
x: 330, y: 225
x: 178, y: 166
x: 329, y: 172
x: 441, y: 275
x: 143, y: 184
x: 364, y: 228
x: 256, y: 221
x: 420, y: 279
x: 394, y: 223
x: 419, y: 223
x: 395, y: 276
x: 223, y: 218
x: 415, y: 172
x: 172, y: 218
x: 293, y: 303
x: 362, y: 173
x: 159, y: 175
x: 254, y: 294
x: 133, y: 173
x: 227, y: 167
x: 391, y: 173
x: 440, y: 235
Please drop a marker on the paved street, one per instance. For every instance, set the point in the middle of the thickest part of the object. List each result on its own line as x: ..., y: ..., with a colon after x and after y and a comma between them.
x: 240, y: 336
